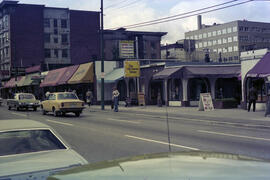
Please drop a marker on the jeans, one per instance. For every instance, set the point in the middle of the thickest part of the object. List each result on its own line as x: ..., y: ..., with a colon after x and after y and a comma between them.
x: 254, y: 105
x: 115, y: 104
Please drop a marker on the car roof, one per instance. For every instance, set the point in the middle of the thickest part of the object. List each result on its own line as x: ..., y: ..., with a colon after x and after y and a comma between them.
x: 24, y: 93
x: 16, y: 124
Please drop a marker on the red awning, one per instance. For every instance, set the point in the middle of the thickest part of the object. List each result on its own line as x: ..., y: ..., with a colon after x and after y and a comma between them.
x: 11, y: 83
x: 68, y: 74
x: 53, y: 77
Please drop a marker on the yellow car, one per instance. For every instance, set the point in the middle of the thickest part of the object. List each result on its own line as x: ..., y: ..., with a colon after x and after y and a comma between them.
x: 62, y: 103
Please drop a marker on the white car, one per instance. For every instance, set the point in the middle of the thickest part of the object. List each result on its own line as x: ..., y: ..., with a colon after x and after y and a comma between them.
x: 32, y: 150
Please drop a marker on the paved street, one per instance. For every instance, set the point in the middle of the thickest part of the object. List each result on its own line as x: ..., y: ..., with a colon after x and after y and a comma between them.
x: 101, y: 135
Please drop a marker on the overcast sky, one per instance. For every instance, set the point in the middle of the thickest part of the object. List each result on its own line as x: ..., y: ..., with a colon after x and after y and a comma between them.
x: 119, y: 13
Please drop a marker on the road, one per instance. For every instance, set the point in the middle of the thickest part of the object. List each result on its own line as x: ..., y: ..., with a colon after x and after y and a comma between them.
x: 104, y: 135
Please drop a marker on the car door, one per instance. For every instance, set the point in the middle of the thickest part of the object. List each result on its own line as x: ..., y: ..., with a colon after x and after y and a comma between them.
x: 51, y: 101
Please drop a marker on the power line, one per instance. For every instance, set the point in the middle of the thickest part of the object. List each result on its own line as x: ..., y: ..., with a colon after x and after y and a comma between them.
x: 170, y: 18
x: 134, y: 2
x: 116, y: 4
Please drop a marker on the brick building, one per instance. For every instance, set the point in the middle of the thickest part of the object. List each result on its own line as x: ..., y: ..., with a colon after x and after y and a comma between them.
x: 54, y: 37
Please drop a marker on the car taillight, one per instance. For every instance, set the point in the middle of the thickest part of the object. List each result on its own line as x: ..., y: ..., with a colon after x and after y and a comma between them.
x: 62, y: 104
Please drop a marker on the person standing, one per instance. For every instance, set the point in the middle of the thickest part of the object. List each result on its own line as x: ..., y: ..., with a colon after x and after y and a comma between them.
x: 89, y: 96
x: 252, y: 97
x: 115, y: 99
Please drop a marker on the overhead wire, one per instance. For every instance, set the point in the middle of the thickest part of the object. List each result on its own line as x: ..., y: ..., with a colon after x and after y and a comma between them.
x: 115, y: 4
x: 171, y: 18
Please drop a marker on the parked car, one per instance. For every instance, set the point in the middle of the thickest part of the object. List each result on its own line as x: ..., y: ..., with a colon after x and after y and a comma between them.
x: 23, y: 101
x: 33, y: 150
x: 1, y: 101
x: 62, y: 103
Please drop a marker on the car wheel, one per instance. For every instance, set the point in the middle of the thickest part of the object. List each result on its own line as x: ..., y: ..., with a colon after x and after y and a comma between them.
x: 17, y: 108
x: 63, y: 113
x: 77, y: 114
x: 55, y: 113
x: 9, y: 107
x: 44, y: 112
x: 35, y: 108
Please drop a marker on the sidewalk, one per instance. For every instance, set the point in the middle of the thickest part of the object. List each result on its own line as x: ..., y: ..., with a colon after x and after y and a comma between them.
x: 236, y: 113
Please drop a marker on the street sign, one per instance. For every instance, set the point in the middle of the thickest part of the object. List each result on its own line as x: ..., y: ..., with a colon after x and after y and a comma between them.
x: 132, y: 68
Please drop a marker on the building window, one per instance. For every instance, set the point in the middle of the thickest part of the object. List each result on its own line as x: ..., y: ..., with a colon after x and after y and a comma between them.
x: 47, y: 22
x: 196, y: 46
x: 209, y: 34
x: 47, y: 53
x: 224, y: 31
x: 230, y: 58
x: 205, y: 44
x: 234, y: 29
x: 196, y: 37
x: 230, y: 49
x: 55, y: 31
x: 235, y: 57
x: 214, y: 50
x: 214, y: 42
x: 229, y: 39
x: 64, y: 53
x: 243, y: 38
x: 209, y: 43
x: 64, y: 38
x: 246, y: 28
x: 54, y: 22
x: 63, y: 23
x: 200, y: 36
x: 191, y: 37
x: 219, y: 50
x: 55, y: 52
x: 200, y: 45
x: 204, y: 35
x: 219, y: 41
x: 235, y: 38
x: 214, y: 33
x: 224, y: 40
x: 47, y: 38
x: 224, y: 50
x: 229, y: 30
x: 235, y: 48
x: 187, y: 37
x: 55, y: 40
x: 241, y: 28
x: 219, y: 32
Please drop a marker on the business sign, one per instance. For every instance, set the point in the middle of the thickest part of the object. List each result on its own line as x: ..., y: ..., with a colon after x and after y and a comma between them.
x: 126, y: 49
x: 132, y: 68
x: 206, y: 102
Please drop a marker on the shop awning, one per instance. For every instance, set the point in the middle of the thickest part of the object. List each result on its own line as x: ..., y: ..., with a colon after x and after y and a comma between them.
x: 212, y: 71
x: 11, y: 83
x: 53, y: 77
x: 19, y: 84
x: 28, y: 81
x: 262, y: 68
x: 84, y: 74
x: 114, y: 75
x: 167, y: 73
x: 68, y: 74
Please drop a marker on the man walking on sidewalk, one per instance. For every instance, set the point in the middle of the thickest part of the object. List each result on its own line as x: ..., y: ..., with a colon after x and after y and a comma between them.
x: 115, y: 98
x: 252, y: 97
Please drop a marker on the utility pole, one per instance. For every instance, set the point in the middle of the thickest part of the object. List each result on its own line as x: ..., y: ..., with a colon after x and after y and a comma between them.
x: 102, y: 57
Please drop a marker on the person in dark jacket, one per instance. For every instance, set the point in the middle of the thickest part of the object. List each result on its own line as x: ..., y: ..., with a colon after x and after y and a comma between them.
x: 252, y: 97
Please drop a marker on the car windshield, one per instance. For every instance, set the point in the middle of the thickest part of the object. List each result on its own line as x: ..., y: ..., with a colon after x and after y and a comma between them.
x: 26, y: 141
x: 26, y: 96
x: 67, y: 96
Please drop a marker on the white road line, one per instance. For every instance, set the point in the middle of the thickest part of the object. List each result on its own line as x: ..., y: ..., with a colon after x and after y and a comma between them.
x: 233, y: 135
x: 125, y: 121
x: 160, y: 142
x: 24, y: 115
x: 67, y: 124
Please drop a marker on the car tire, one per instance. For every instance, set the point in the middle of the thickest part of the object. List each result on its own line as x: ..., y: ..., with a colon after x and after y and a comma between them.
x: 35, y: 109
x: 17, y: 108
x: 77, y: 114
x: 55, y: 113
x: 9, y: 108
x: 63, y: 113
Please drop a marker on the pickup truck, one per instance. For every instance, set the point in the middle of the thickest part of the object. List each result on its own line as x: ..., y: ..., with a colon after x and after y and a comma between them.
x: 23, y: 101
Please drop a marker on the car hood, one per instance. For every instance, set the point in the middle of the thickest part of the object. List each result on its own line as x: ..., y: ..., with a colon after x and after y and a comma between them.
x: 174, y: 166
x: 39, y: 161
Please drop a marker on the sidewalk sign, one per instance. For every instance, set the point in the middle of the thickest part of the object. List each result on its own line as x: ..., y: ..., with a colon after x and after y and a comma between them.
x: 206, y: 103
x: 141, y: 100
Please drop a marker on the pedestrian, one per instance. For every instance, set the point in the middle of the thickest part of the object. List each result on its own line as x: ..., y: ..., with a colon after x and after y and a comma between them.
x: 159, y: 100
x: 47, y: 94
x: 252, y: 97
x: 89, y: 97
x: 115, y: 95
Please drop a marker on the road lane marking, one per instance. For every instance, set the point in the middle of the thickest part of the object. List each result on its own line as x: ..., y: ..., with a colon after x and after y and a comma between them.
x: 18, y: 114
x: 161, y: 142
x: 67, y: 124
x: 118, y: 120
x: 233, y: 135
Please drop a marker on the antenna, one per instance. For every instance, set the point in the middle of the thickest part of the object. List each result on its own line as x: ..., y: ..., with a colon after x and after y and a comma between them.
x: 168, y: 130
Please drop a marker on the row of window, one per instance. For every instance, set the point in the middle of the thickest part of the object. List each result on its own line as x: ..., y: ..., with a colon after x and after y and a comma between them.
x: 5, y: 67
x: 254, y: 29
x: 226, y: 49
x: 215, y: 42
x: 4, y: 22
x: 55, y: 53
x: 4, y: 53
x: 55, y: 23
x: 48, y: 38
x: 213, y: 33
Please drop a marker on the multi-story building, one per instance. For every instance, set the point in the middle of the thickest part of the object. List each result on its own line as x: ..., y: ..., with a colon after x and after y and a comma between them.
x: 143, y: 45
x: 225, y: 42
x: 34, y: 34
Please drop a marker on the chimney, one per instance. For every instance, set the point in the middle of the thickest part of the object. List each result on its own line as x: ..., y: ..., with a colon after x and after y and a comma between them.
x: 199, y: 22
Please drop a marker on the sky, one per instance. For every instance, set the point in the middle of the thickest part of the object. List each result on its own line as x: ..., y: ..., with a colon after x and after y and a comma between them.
x: 119, y: 13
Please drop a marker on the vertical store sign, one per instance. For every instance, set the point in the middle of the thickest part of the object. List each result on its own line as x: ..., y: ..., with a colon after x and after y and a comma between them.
x: 132, y: 69
x: 126, y: 49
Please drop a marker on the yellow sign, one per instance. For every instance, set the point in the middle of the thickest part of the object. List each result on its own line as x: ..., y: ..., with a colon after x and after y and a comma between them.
x: 132, y: 69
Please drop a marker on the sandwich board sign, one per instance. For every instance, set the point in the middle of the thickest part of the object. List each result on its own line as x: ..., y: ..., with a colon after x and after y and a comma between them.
x: 206, y: 103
